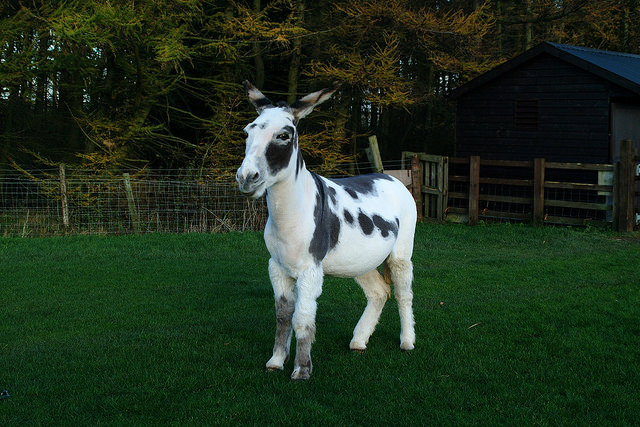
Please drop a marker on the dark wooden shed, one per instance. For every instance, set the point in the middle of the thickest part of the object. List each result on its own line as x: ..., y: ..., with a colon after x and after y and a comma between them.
x: 559, y: 102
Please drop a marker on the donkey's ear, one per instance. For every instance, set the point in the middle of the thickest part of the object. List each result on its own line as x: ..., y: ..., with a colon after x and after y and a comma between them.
x: 305, y: 105
x: 256, y: 97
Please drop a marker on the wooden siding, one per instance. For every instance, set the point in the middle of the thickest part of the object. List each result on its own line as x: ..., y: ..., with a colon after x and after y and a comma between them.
x: 573, y: 114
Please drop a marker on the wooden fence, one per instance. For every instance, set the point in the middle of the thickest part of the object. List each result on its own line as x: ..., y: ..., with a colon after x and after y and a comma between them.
x: 65, y: 201
x: 474, y: 189
x: 428, y: 184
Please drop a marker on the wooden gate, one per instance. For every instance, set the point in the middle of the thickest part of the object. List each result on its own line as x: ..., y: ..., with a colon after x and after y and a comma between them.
x: 429, y: 184
x: 537, y: 191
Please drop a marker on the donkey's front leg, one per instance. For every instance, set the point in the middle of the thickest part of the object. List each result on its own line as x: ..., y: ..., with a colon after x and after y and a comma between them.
x: 309, y: 287
x: 283, y: 292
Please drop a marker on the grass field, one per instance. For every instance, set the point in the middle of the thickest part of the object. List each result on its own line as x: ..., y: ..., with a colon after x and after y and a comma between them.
x: 515, y: 325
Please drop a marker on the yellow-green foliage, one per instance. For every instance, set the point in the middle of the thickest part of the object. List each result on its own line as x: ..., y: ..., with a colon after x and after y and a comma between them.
x: 122, y: 84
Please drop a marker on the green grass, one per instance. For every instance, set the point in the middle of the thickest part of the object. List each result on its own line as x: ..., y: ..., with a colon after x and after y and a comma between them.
x: 514, y: 325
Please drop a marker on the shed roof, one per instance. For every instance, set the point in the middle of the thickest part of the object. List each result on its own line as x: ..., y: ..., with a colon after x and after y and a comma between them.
x: 620, y: 68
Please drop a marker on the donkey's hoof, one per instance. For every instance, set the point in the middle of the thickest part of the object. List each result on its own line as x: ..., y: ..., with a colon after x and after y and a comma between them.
x: 301, y: 374
x: 407, y: 346
x: 358, y: 347
x: 274, y: 366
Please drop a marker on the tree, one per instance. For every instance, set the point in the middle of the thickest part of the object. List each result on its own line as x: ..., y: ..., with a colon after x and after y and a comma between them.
x: 400, y: 58
x: 156, y: 83
x: 92, y: 77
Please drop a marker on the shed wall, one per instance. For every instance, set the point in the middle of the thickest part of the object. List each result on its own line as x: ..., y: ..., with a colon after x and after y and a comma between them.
x: 573, y: 114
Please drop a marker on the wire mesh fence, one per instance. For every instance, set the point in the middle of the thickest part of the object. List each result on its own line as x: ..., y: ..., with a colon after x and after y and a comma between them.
x: 41, y: 203
x: 67, y: 201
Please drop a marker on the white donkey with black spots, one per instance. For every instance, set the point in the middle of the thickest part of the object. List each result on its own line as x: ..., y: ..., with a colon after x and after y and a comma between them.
x: 340, y: 227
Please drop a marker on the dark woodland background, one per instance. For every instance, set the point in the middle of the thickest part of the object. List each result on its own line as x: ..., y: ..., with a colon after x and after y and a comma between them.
x: 123, y: 85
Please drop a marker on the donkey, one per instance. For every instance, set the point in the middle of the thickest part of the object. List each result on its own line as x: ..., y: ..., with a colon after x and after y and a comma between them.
x: 342, y: 227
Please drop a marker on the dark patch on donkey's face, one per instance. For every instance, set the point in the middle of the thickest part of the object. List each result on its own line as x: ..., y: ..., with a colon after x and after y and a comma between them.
x: 361, y: 184
x: 327, y: 224
x: 279, y: 151
x: 278, y: 157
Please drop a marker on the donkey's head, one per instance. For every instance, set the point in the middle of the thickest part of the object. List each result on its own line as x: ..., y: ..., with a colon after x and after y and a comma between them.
x: 272, y: 153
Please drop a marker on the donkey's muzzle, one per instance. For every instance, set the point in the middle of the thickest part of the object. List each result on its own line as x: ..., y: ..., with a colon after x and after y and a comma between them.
x: 249, y: 183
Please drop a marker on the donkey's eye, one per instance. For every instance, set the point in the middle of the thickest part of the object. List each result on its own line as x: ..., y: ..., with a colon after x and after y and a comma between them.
x: 284, y: 136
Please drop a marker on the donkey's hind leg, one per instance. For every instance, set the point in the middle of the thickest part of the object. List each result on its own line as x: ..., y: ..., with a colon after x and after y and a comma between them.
x: 402, y: 275
x: 377, y: 292
x: 284, y: 294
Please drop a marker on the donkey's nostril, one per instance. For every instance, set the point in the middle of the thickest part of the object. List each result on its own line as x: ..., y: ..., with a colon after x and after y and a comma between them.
x: 255, y: 176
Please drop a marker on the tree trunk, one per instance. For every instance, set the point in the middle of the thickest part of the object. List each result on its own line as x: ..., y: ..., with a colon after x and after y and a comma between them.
x: 499, y: 28
x: 528, y: 28
x: 258, y: 62
x: 356, y: 113
x: 294, y: 66
x: 41, y: 79
x: 624, y: 40
x: 429, y: 82
x: 71, y: 99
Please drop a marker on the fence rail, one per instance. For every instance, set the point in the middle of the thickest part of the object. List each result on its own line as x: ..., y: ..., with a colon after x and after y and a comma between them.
x: 60, y: 201
x: 542, y: 194
x: 471, y: 189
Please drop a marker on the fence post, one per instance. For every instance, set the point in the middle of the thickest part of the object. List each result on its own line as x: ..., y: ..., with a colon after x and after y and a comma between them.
x: 625, y: 183
x: 133, y: 211
x: 416, y: 183
x: 443, y: 187
x: 474, y: 189
x: 375, y: 154
x: 538, y: 191
x: 64, y: 198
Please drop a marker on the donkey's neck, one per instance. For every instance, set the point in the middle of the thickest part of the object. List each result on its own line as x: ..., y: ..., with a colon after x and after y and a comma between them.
x: 291, y: 199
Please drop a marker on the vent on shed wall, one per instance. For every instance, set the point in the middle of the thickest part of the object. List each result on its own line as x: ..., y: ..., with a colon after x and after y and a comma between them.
x: 526, y: 114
